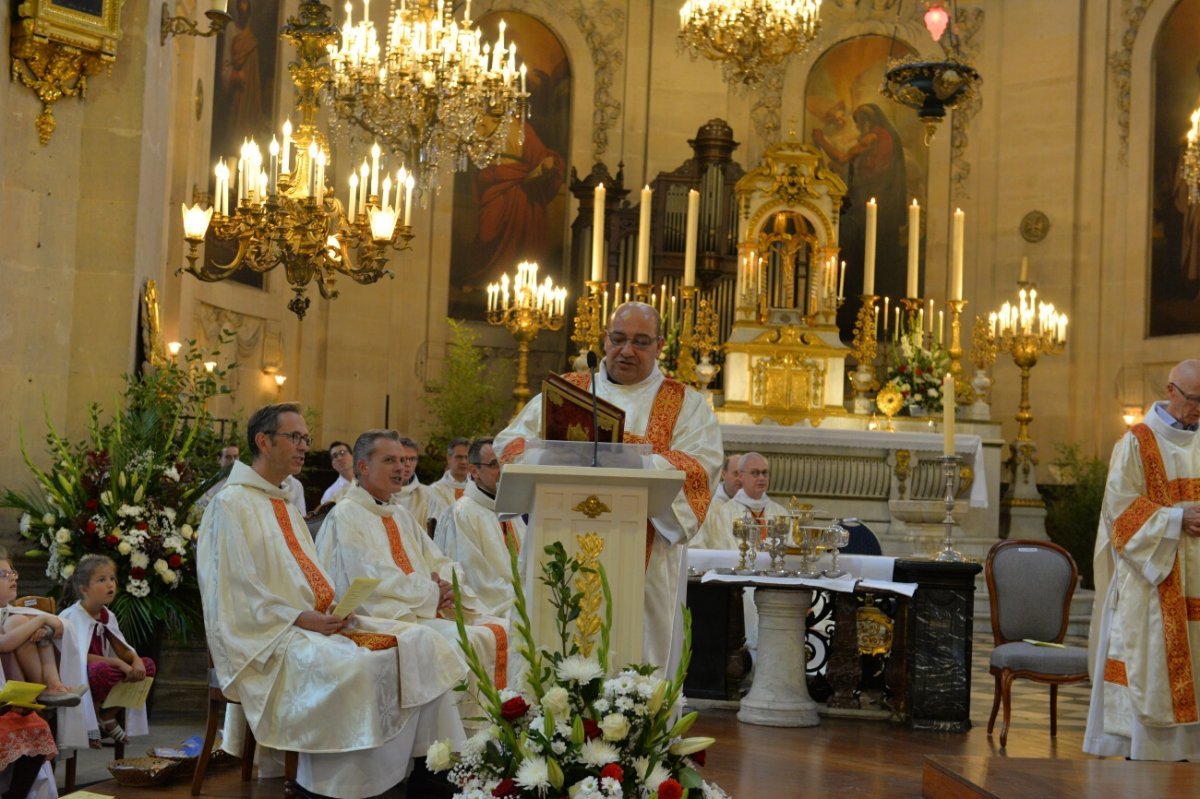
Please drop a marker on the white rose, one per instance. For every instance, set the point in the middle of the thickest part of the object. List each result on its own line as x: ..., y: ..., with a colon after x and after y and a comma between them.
x: 124, y: 548
x: 186, y: 532
x: 67, y: 571
x: 63, y: 535
x: 438, y: 757
x: 49, y: 520
x: 169, y: 577
x: 161, y: 566
x: 557, y: 701
x: 26, y: 520
x: 615, y: 727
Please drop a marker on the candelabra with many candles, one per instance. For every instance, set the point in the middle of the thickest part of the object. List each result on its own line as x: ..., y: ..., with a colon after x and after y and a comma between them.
x: 526, y: 308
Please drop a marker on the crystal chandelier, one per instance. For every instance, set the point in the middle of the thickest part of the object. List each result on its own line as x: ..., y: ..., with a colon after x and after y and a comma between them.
x: 437, y: 95
x: 283, y: 214
x: 748, y: 36
x: 1191, y: 160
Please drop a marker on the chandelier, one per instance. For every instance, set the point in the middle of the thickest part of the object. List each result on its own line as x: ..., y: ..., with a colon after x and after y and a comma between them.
x: 1191, y: 160
x: 436, y: 95
x: 283, y: 213
x: 747, y: 36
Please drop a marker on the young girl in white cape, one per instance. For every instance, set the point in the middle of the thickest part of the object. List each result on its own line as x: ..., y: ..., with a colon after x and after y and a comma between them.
x: 110, y: 658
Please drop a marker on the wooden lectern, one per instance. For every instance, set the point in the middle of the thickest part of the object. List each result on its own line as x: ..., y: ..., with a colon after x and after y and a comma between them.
x: 565, y: 502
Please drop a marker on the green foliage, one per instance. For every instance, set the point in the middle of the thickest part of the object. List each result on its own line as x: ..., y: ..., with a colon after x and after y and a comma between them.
x: 467, y: 400
x: 1073, y: 507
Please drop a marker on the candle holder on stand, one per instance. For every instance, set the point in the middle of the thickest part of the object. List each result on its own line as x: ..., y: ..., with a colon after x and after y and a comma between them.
x: 642, y: 292
x: 983, y: 355
x: 950, y: 467
x: 864, y: 348
x: 685, y: 364
x: 532, y: 308
x: 699, y: 333
x: 956, y: 351
x: 588, y: 328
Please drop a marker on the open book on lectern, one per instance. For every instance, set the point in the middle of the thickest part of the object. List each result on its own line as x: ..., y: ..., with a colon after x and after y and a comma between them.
x: 567, y: 414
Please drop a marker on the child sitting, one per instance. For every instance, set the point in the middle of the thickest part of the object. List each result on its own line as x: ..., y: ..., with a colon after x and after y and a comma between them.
x: 110, y: 658
x: 26, y: 651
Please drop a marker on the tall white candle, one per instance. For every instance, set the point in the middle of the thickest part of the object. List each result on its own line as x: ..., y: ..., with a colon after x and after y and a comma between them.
x: 956, y: 256
x: 869, y: 248
x: 1024, y: 278
x: 643, y: 243
x: 842, y: 282
x: 287, y: 146
x: 948, y: 415
x: 689, y: 245
x: 375, y: 169
x: 914, y: 248
x: 598, y: 269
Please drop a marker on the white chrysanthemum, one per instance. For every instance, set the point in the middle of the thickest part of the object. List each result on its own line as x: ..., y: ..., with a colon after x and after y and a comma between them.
x: 476, y: 743
x: 26, y: 521
x: 62, y: 535
x: 624, y: 703
x: 49, y: 520
x: 169, y: 577
x: 173, y: 542
x: 576, y: 668
x: 615, y: 727
x: 130, y: 510
x: 438, y: 756
x: 610, y: 787
x: 557, y: 701
x: 533, y: 773
x: 170, y: 514
x: 139, y: 560
x: 601, y: 705
x: 598, y: 752
x: 124, y: 548
x: 67, y: 571
x: 138, y: 588
x: 657, y: 776
x: 587, y: 785
x: 171, y: 473
x: 558, y: 747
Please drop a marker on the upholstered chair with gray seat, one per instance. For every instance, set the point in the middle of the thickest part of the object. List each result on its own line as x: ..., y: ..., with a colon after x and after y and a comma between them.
x: 1030, y: 584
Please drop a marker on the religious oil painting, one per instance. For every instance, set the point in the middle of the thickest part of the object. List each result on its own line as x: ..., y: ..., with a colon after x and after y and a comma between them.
x: 877, y: 147
x: 514, y: 209
x: 243, y: 100
x: 1175, y: 228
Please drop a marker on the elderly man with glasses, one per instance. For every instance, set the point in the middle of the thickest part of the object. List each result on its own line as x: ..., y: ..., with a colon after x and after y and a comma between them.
x: 677, y: 422
x: 357, y: 697
x: 1145, y: 662
x: 471, y: 534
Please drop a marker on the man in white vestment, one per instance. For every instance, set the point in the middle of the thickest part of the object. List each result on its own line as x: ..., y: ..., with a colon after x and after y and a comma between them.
x: 472, y: 535
x: 343, y: 463
x: 1145, y: 632
x: 357, y: 697
x: 366, y: 536
x: 454, y: 482
x: 415, y: 497
x: 749, y: 500
x: 727, y: 485
x: 225, y: 458
x: 678, y: 423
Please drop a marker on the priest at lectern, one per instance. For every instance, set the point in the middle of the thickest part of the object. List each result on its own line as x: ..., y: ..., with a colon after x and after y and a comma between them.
x: 684, y: 434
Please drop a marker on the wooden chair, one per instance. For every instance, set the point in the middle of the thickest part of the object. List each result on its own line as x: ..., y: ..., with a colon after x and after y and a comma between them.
x: 1030, y: 585
x: 217, y: 701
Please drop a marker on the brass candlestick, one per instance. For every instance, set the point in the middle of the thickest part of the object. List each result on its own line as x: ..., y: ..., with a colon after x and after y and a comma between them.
x: 588, y: 327
x: 532, y: 308
x: 685, y: 365
x: 956, y: 350
x: 642, y: 292
x: 703, y: 338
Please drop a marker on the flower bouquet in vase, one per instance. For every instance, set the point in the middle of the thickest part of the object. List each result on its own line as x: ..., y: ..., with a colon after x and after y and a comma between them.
x: 915, y: 369
x: 577, y: 728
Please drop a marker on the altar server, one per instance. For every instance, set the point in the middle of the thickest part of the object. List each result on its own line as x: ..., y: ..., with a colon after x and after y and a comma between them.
x: 357, y: 697
x: 680, y: 426
x: 1145, y: 658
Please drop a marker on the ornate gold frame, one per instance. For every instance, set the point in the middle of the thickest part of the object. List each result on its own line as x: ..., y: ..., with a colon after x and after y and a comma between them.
x: 55, y: 48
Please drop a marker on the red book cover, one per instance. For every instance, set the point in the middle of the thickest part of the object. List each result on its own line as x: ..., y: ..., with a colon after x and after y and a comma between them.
x: 567, y: 413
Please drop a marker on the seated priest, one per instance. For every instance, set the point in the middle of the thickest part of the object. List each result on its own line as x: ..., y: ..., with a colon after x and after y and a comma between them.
x: 454, y: 482
x: 749, y: 500
x: 727, y: 484
x: 366, y: 536
x: 357, y: 697
x: 472, y: 535
x: 684, y: 434
x: 414, y: 496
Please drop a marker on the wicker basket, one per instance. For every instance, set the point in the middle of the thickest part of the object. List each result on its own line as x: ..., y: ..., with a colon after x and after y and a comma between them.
x: 140, y: 772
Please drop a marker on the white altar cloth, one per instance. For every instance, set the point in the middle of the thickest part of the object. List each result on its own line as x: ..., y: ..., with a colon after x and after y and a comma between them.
x: 872, y: 572
x: 970, y: 447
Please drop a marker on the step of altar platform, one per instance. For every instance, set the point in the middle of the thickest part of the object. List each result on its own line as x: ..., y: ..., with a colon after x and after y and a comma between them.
x: 979, y: 777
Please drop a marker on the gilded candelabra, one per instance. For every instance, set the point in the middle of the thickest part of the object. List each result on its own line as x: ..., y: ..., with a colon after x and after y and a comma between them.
x: 1027, y: 331
x: 588, y: 326
x: 864, y: 348
x: 642, y: 292
x: 531, y: 308
x: 283, y: 215
x: 983, y: 355
x: 700, y: 326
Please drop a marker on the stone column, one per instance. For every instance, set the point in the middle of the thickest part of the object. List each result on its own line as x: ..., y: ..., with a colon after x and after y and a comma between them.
x: 779, y: 696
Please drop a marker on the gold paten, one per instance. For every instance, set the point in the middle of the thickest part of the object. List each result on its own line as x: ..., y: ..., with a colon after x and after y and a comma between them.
x: 874, y: 631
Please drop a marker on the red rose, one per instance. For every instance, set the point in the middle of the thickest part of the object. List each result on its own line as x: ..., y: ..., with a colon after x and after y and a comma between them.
x: 141, y: 525
x: 512, y: 710
x: 174, y: 561
x: 670, y: 789
x: 89, y: 527
x: 506, y: 787
x: 137, y: 573
x: 91, y: 504
x: 612, y: 770
x: 591, y: 729
x: 699, y: 757
x: 112, y: 540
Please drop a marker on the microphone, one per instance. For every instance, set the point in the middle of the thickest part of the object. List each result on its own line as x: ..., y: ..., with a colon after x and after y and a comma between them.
x: 592, y: 366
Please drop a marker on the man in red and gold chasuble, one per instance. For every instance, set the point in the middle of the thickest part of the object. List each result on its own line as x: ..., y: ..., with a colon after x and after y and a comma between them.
x: 359, y: 697
x: 677, y: 422
x: 1145, y: 635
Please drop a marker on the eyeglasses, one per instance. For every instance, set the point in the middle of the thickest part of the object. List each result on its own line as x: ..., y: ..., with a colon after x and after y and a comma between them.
x: 408, y: 459
x: 619, y: 340
x: 4, y: 575
x: 339, y: 453
x: 1194, y: 399
x: 758, y: 473
x: 295, y: 437
x: 492, y: 464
